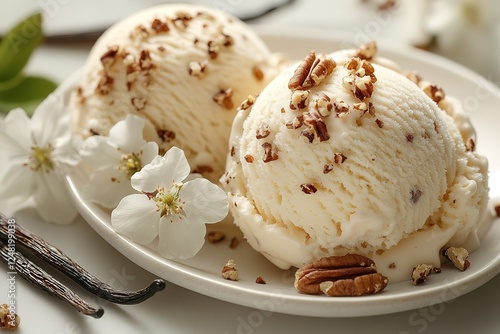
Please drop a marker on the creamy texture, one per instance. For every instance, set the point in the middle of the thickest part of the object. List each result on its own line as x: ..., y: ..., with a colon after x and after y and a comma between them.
x: 406, y: 188
x: 184, y: 68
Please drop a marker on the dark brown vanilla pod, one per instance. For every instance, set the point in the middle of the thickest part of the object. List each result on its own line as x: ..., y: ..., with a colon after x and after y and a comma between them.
x: 70, y: 268
x: 44, y: 281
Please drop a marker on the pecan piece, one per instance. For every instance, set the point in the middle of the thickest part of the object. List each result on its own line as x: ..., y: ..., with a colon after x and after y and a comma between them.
x: 215, y: 236
x: 269, y: 152
x: 316, y: 123
x: 458, y: 256
x: 230, y: 272
x: 223, y: 98
x: 420, y: 273
x: 367, y: 51
x: 311, y: 71
x: 263, y: 131
x: 348, y: 275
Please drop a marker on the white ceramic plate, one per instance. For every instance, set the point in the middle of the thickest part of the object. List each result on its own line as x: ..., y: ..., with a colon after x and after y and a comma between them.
x: 202, y: 273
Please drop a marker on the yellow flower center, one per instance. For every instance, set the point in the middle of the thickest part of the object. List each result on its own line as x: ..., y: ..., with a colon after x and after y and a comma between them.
x: 40, y: 159
x: 168, y: 203
x: 130, y: 164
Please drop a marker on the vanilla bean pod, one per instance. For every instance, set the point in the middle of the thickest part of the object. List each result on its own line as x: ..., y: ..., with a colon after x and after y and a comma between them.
x: 70, y: 268
x: 42, y: 280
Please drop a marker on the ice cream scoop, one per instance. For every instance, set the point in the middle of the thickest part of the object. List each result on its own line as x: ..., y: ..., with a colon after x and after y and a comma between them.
x: 184, y: 68
x: 339, y: 154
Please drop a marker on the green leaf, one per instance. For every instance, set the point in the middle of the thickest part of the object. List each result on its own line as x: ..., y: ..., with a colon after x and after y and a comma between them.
x: 18, y: 44
x: 26, y: 93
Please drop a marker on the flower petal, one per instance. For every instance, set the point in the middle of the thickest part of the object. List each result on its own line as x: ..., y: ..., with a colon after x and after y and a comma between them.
x: 107, y: 187
x: 178, y: 166
x: 148, y: 152
x: 127, y: 134
x: 204, y: 201
x: 66, y: 151
x: 97, y: 152
x: 149, y: 178
x: 179, y: 238
x: 137, y: 218
x: 50, y: 120
x: 15, y: 133
x: 52, y: 201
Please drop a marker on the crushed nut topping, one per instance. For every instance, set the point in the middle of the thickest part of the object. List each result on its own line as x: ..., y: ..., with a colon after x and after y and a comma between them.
x: 470, y: 145
x: 458, y: 256
x: 159, y: 26
x: 109, y: 57
x: 316, y: 123
x: 361, y: 78
x: 295, y: 123
x: 263, y: 131
x: 257, y: 73
x: 105, y: 85
x: 230, y: 272
x: 233, y: 151
x: 260, y: 280
x: 367, y: 51
x: 299, y: 99
x: 213, y: 49
x: 9, y: 321
x: 409, y: 138
x: 324, y: 105
x: 420, y: 273
x: 308, y: 188
x: 197, y: 68
x: 342, y: 276
x: 311, y: 71
x: 380, y: 123
x: 249, y: 158
x: 250, y: 100
x: 182, y: 19
x: 269, y: 152
x: 434, y: 92
x: 415, y: 194
x: 166, y: 136
x: 223, y: 98
x: 308, y: 134
x: 145, y: 61
x: 234, y: 242
x: 138, y: 102
x: 327, y: 168
x: 215, y: 236
x: 414, y: 77
x: 341, y: 107
x: 140, y: 32
x: 339, y: 158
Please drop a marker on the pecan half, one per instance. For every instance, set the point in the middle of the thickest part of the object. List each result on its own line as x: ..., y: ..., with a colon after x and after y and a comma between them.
x: 348, y: 275
x: 311, y: 71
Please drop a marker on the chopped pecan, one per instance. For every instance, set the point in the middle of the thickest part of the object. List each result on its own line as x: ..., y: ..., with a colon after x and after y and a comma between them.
x: 105, y: 85
x: 159, y: 26
x: 215, y: 236
x: 8, y: 319
x: 415, y: 194
x: 223, y: 98
x: 341, y: 107
x: 250, y: 100
x: 109, y: 57
x: 197, y: 68
x: 257, y: 73
x: 296, y: 123
x: 311, y: 71
x: 299, y: 99
x: 367, y: 51
x: 166, y: 135
x: 145, y: 61
x: 470, y: 145
x: 420, y: 273
x: 139, y: 103
x: 458, y: 256
x: 308, y: 188
x: 230, y: 272
x: 324, y: 105
x: 380, y: 123
x: 260, y: 280
x: 339, y: 158
x: 269, y: 152
x: 234, y: 243
x: 263, y: 131
x: 316, y: 123
x: 348, y: 275
x: 434, y: 92
x: 249, y: 158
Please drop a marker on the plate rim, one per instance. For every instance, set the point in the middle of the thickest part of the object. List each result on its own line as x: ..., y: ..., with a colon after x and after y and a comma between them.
x: 303, y: 305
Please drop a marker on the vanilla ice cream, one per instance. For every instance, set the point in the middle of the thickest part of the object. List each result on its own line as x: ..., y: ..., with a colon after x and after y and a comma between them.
x: 342, y: 155
x: 184, y: 68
